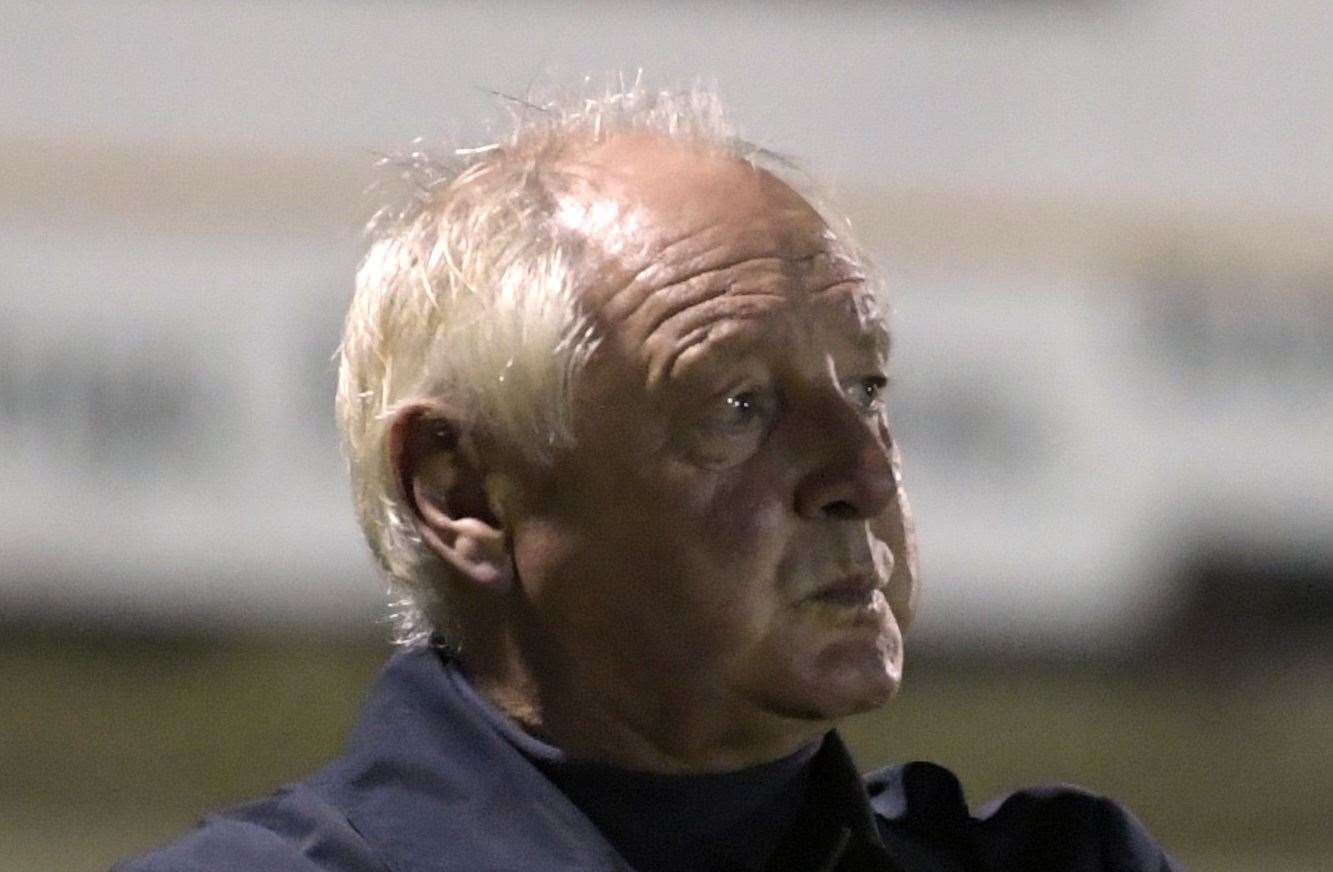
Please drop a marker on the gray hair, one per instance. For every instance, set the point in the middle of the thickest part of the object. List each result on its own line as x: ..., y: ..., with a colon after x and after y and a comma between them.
x: 470, y: 290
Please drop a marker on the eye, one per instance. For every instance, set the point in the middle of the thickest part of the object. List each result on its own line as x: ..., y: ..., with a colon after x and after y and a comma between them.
x: 746, y: 410
x: 867, y: 393
x: 732, y: 426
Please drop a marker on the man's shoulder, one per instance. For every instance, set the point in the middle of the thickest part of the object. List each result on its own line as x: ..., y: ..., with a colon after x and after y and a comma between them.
x: 1067, y: 824
x: 423, y: 781
x: 1048, y: 827
x: 292, y: 830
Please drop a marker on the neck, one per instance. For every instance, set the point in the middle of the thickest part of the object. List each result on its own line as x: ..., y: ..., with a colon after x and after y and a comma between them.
x: 591, y: 710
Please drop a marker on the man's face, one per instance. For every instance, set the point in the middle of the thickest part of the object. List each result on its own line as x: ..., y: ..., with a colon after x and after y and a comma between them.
x: 727, y: 530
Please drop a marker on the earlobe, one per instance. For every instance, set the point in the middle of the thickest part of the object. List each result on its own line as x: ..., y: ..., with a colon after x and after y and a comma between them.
x: 442, y: 479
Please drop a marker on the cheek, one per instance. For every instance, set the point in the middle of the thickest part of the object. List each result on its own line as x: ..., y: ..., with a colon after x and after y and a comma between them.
x: 743, y: 525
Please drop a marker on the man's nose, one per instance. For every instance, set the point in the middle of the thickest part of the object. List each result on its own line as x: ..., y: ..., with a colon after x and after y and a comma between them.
x: 853, y: 477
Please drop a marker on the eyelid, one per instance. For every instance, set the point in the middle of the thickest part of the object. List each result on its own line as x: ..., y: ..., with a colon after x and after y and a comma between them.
x: 723, y: 433
x: 764, y: 395
x: 855, y: 387
x: 878, y: 379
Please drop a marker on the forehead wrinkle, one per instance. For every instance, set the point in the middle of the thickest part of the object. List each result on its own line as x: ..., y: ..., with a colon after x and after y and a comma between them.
x: 714, y: 244
x: 696, y: 325
x: 742, y: 289
x: 704, y: 324
x: 743, y: 277
x: 668, y: 267
x: 632, y: 289
x: 677, y: 319
x: 709, y: 274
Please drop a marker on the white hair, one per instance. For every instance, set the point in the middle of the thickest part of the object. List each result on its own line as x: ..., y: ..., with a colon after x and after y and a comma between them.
x: 470, y: 291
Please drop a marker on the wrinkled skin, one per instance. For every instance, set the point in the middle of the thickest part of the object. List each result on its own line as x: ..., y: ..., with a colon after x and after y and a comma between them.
x: 722, y: 565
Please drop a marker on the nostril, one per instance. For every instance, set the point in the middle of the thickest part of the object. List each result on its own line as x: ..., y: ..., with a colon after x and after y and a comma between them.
x: 841, y: 510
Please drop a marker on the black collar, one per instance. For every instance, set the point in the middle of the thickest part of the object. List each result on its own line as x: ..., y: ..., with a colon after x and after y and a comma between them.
x: 836, y: 826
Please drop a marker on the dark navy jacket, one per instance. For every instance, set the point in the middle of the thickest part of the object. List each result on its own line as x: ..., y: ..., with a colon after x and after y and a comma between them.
x: 427, y: 785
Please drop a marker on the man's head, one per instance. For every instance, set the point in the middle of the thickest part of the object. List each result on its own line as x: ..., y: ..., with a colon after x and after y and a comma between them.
x: 658, y: 466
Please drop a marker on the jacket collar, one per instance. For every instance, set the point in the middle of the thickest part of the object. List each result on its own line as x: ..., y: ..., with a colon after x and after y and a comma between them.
x: 431, y: 786
x: 924, y: 822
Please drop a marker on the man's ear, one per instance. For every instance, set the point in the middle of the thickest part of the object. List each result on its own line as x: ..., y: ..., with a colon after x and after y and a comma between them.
x: 444, y: 481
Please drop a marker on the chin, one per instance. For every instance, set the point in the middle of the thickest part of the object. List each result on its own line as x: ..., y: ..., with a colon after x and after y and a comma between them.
x: 857, y: 678
x: 842, y: 679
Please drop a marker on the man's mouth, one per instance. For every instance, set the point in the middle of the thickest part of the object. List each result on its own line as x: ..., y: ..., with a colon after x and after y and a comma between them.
x: 852, y: 591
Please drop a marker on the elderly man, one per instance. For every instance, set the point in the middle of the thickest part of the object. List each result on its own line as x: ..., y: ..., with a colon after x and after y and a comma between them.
x: 612, y: 396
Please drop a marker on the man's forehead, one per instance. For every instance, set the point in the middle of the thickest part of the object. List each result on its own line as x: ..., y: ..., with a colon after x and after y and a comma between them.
x: 654, y: 212
x: 843, y: 319
x: 636, y: 166
x: 693, y: 253
x: 652, y: 190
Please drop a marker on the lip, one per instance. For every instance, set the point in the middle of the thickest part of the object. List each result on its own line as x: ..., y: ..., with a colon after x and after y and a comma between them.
x: 854, y: 590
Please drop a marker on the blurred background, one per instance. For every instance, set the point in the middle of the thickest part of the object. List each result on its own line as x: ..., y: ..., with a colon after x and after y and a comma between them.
x: 1107, y: 226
